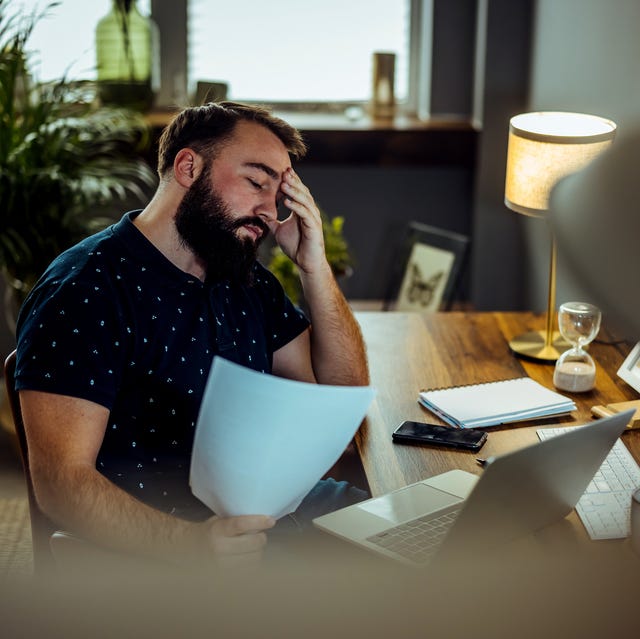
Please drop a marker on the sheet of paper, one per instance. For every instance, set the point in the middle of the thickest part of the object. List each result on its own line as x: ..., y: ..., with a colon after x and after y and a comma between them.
x: 263, y: 442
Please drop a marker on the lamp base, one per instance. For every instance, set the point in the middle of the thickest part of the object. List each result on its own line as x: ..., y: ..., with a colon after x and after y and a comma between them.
x: 532, y: 345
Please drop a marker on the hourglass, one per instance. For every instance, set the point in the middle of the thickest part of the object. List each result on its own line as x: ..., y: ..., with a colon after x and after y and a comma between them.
x: 579, y: 324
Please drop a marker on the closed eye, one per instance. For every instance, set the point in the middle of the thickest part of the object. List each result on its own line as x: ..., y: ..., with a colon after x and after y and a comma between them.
x: 255, y: 185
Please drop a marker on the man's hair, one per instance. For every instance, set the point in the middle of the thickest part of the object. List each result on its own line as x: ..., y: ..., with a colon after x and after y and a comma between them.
x: 205, y: 128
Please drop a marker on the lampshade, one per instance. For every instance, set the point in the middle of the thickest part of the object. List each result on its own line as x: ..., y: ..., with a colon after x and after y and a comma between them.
x: 545, y: 147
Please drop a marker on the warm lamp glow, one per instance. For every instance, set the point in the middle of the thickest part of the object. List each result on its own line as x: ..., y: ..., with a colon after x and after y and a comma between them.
x: 544, y: 147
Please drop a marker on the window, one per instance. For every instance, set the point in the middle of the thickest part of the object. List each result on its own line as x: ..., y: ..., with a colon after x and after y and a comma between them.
x: 287, y: 50
x: 63, y: 42
x: 283, y: 50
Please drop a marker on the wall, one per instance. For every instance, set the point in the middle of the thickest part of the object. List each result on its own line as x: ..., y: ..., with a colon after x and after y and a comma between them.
x: 377, y: 203
x: 584, y: 58
x: 576, y: 55
x: 498, y: 267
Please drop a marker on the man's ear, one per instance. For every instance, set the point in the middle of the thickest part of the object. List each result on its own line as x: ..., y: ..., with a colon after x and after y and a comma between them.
x: 187, y: 167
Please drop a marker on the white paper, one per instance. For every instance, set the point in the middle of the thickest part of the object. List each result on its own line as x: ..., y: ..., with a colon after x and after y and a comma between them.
x: 263, y: 442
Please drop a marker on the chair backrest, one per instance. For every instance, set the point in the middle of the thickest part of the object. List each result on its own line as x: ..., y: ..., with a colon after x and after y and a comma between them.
x: 41, y: 526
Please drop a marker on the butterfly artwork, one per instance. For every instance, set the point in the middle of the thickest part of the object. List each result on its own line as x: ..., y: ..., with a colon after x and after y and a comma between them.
x: 425, y: 278
x: 421, y: 290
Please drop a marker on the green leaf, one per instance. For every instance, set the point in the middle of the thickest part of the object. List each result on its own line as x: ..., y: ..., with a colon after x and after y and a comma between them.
x: 336, y: 250
x: 60, y: 157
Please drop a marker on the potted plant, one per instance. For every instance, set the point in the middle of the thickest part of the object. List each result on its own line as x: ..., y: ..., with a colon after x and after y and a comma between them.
x: 336, y: 250
x: 62, y: 160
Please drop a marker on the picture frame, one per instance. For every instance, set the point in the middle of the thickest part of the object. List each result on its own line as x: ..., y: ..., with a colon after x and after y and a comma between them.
x: 429, y: 263
x: 630, y: 369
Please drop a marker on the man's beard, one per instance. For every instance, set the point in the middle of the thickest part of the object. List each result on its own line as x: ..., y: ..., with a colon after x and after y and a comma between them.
x: 206, y: 226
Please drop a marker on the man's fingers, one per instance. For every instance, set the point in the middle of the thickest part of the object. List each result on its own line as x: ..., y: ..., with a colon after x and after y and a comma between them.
x: 238, y: 535
x: 244, y: 524
x: 297, y: 194
x: 249, y: 543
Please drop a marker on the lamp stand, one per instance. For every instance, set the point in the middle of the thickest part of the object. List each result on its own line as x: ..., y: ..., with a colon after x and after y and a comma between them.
x: 545, y: 345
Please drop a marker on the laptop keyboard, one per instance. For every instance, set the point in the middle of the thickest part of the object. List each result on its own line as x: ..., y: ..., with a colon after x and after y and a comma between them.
x: 418, y: 539
x: 605, y: 506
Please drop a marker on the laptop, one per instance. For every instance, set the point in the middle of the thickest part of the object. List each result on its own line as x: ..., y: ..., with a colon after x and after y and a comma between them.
x: 457, y: 512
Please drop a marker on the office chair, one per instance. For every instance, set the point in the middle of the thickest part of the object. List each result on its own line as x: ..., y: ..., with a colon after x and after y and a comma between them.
x: 42, y: 528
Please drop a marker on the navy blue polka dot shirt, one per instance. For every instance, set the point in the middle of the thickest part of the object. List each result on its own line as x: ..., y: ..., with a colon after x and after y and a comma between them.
x: 114, y: 322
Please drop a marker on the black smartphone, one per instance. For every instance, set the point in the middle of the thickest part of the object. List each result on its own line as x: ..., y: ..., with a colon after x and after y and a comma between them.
x: 436, y: 435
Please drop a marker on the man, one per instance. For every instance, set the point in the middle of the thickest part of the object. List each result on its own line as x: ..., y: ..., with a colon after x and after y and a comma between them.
x: 116, y: 340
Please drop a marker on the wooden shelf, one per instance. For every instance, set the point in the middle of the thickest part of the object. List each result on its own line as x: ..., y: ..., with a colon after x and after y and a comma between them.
x: 401, y: 141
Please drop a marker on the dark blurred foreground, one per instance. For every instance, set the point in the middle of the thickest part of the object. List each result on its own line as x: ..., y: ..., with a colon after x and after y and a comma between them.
x: 533, y: 588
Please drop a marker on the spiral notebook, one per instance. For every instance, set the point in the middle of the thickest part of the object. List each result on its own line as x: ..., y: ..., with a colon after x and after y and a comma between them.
x: 494, y: 403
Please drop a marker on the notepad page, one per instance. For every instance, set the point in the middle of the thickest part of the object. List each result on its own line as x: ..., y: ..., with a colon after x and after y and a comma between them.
x: 503, y: 399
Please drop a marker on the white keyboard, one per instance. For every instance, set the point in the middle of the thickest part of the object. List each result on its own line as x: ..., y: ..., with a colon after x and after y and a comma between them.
x: 605, y: 506
x: 417, y: 540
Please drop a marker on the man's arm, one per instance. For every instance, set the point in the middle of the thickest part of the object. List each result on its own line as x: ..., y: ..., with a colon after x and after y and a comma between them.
x: 334, y: 343
x: 64, y: 436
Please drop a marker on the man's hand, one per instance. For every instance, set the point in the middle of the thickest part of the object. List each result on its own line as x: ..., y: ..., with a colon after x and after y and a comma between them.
x: 232, y: 540
x: 300, y: 235
x: 332, y: 352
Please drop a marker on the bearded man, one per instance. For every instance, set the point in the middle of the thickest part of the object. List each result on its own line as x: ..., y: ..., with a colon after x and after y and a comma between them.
x: 116, y: 340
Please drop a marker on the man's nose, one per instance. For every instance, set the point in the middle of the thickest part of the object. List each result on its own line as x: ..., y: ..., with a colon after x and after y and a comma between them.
x: 268, y: 210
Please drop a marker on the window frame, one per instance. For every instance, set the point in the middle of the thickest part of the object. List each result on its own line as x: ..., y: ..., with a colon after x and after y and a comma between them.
x: 172, y: 21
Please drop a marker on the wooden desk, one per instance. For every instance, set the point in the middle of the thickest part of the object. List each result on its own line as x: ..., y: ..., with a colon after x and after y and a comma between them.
x: 555, y: 583
x: 410, y: 351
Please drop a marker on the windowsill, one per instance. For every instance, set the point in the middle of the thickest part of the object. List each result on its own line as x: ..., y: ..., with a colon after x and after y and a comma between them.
x: 332, y: 121
x: 341, y: 122
x: 334, y: 138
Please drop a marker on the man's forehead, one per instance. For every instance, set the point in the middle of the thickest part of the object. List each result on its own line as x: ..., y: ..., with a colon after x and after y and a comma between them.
x: 265, y: 168
x: 258, y: 147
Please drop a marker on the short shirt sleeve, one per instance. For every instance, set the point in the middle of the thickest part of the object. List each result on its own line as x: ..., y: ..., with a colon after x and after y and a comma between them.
x: 70, y: 341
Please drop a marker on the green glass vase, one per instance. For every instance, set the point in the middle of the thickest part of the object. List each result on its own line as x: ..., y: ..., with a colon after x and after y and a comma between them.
x: 127, y: 57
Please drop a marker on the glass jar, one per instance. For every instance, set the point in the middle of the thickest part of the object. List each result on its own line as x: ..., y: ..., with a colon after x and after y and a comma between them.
x: 127, y: 57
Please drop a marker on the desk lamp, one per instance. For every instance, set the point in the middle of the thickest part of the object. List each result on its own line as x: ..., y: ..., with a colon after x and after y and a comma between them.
x: 544, y: 147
